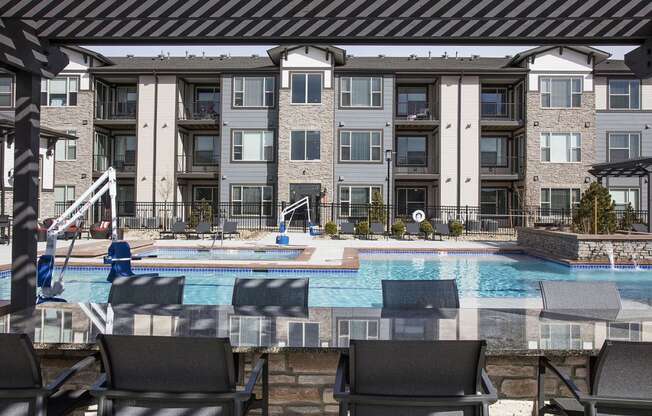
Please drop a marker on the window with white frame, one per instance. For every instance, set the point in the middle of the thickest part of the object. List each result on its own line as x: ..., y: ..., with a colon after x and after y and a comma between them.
x: 360, y: 146
x: 348, y: 329
x: 253, y: 145
x: 66, y: 149
x: 304, y: 145
x: 624, y: 94
x: 624, y: 331
x: 559, y: 199
x: 253, y: 91
x: 624, y: 146
x: 355, y: 200
x: 561, y: 147
x: 624, y: 196
x: 560, y: 336
x: 249, y: 331
x: 303, y: 334
x: 60, y: 91
x: 6, y: 91
x: 306, y: 88
x: 251, y: 200
x: 361, y: 92
x: 493, y: 151
x: 64, y: 194
x: 561, y: 92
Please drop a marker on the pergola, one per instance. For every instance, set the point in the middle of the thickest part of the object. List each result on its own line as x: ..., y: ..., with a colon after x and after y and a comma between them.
x: 32, y: 30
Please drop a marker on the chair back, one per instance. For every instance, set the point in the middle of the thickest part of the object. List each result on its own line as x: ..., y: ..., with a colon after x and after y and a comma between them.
x: 203, y: 228
x: 347, y: 228
x: 420, y: 294
x: 230, y: 227
x: 179, y: 227
x: 624, y: 370
x: 18, y: 363
x: 412, y: 228
x: 147, y: 290
x: 563, y: 295
x: 640, y: 228
x: 442, y: 229
x: 167, y: 364
x: 377, y: 228
x: 270, y: 292
x: 416, y: 368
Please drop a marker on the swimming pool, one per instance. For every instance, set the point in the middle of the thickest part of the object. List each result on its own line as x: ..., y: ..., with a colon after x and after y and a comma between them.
x: 478, y: 276
x: 222, y: 254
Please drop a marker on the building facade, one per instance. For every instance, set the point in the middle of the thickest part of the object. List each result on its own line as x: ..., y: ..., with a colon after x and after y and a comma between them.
x: 244, y: 134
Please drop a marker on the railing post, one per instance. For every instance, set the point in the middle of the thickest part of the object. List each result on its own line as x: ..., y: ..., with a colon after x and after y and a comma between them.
x: 466, y: 228
x: 260, y: 216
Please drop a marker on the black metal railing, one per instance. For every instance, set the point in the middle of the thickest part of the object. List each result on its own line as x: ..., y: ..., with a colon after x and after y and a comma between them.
x: 198, y: 163
x: 492, y: 110
x: 512, y: 165
x: 199, y: 110
x: 116, y: 110
x: 414, y: 110
x: 122, y: 163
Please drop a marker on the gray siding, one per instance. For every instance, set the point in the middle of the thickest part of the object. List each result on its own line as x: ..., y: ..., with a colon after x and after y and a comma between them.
x: 235, y: 119
x: 372, y: 119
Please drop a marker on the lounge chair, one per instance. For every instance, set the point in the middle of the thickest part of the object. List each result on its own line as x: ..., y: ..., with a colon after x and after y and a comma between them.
x: 347, y: 228
x: 151, y: 375
x: 580, y: 300
x: 271, y: 296
x: 377, y: 228
x: 22, y: 391
x: 420, y: 298
x: 412, y: 229
x: 640, y: 228
x: 147, y: 290
x: 442, y: 230
x: 178, y: 227
x: 620, y: 385
x: 230, y: 228
x: 203, y: 229
x: 389, y: 378
x: 491, y: 226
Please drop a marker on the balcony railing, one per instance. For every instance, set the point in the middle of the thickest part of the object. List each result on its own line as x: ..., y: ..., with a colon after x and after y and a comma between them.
x: 198, y: 164
x: 415, y: 111
x: 513, y: 166
x: 116, y: 110
x: 415, y: 170
x: 121, y: 163
x: 500, y: 111
x: 199, y: 110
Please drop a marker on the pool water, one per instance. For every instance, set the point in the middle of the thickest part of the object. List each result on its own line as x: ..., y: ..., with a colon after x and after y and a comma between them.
x: 478, y: 276
x: 222, y: 254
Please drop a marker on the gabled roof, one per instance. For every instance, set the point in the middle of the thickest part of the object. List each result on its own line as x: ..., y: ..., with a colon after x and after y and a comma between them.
x: 84, y: 51
x: 339, y: 54
x: 597, y: 54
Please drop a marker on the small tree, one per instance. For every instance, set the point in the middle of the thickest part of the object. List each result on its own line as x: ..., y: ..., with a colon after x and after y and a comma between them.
x: 362, y: 229
x: 378, y: 211
x: 330, y: 228
x: 628, y: 218
x: 426, y: 228
x: 456, y: 228
x: 596, y: 213
x: 398, y: 229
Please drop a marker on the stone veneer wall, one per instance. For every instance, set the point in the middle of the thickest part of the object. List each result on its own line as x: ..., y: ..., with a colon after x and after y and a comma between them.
x: 302, y: 382
x: 568, y: 120
x: 305, y: 117
x: 586, y: 247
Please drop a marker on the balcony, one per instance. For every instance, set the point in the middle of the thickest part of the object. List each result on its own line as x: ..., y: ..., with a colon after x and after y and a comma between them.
x: 512, y: 170
x: 124, y: 164
x: 201, y: 165
x: 415, y: 106
x: 116, y: 113
x: 199, y: 114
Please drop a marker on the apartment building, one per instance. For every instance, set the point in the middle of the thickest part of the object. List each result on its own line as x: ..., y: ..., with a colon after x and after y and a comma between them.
x: 310, y: 120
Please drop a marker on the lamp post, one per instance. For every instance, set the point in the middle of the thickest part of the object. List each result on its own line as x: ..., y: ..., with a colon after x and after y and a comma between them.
x: 388, y: 158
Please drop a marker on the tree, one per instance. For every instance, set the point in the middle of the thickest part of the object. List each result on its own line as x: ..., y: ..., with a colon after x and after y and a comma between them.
x: 377, y: 213
x: 628, y: 218
x: 596, y: 213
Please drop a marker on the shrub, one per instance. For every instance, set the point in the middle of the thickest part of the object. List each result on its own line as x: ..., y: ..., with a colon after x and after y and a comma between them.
x: 456, y: 228
x: 426, y: 228
x: 629, y: 217
x: 596, y: 209
x: 378, y: 211
x: 398, y: 229
x: 362, y: 228
x: 330, y: 228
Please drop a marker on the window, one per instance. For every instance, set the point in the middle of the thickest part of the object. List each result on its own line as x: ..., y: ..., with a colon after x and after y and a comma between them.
x: 250, y: 331
x: 251, y: 200
x: 303, y: 334
x: 561, y: 147
x: 126, y: 195
x: 413, y: 102
x: 409, y: 200
x: 624, y: 331
x: 253, y: 91
x: 205, y: 194
x: 64, y: 194
x: 624, y: 94
x: 624, y: 146
x: 253, y: 146
x: 493, y: 201
x: 624, y: 196
x: 66, y: 149
x: 125, y: 152
x: 60, y: 91
x: 493, y: 151
x: 559, y: 199
x: 126, y: 102
x: 306, y: 88
x: 348, y: 329
x: 100, y: 152
x: 561, y: 92
x: 355, y: 200
x: 361, y: 92
x: 204, y: 150
x: 6, y: 91
x: 207, y: 102
x: 304, y: 145
x: 494, y: 102
x: 411, y: 150
x: 360, y: 146
x: 560, y: 336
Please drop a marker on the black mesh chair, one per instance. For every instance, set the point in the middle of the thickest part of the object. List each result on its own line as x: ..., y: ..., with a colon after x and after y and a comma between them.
x: 276, y: 297
x: 412, y: 229
x: 230, y: 228
x: 421, y: 378
x: 420, y: 298
x: 441, y: 230
x: 377, y: 229
x: 178, y: 228
x: 621, y: 384
x: 147, y: 290
x: 174, y: 376
x: 598, y: 300
x: 347, y: 228
x: 21, y: 386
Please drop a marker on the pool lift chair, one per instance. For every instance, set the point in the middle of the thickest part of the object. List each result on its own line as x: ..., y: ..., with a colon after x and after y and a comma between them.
x: 283, y: 238
x: 119, y: 253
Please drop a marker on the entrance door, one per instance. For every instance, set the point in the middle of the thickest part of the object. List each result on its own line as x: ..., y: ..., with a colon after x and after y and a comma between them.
x: 302, y: 190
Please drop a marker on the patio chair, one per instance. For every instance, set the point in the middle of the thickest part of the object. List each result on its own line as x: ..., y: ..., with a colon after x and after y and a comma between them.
x: 178, y: 227
x: 441, y: 230
x: 490, y: 226
x: 347, y: 228
x: 147, y: 290
x: 204, y: 228
x: 412, y: 229
x: 621, y: 383
x: 640, y: 228
x: 421, y: 378
x: 21, y: 386
x: 288, y: 297
x: 152, y: 375
x: 377, y: 228
x: 100, y: 230
x: 416, y: 298
x: 230, y: 228
x: 580, y: 300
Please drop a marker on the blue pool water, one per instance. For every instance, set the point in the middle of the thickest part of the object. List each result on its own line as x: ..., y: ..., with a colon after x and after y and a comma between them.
x: 478, y: 276
x: 222, y: 254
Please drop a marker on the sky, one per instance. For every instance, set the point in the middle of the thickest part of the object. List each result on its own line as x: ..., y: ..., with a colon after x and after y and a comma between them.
x: 358, y: 50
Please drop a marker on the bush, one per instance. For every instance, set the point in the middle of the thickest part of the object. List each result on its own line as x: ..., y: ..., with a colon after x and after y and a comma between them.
x: 330, y: 228
x: 456, y: 228
x: 596, y: 209
x: 378, y: 210
x: 426, y: 228
x: 629, y: 217
x: 398, y: 229
x: 362, y: 228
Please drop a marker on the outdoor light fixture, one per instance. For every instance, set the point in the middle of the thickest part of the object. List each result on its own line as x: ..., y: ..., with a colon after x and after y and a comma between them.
x: 340, y: 179
x: 341, y: 124
x: 536, y: 124
x: 587, y: 124
x: 535, y: 178
x: 647, y: 127
x: 145, y: 125
x: 387, y: 124
x: 587, y: 179
x: 226, y: 123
